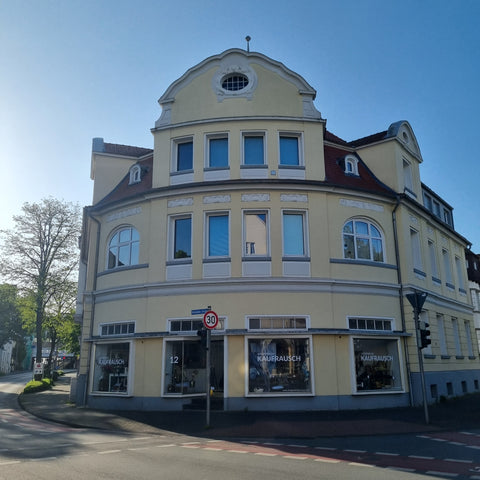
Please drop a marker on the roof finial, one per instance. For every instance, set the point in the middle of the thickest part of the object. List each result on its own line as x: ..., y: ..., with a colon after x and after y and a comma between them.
x: 248, y: 38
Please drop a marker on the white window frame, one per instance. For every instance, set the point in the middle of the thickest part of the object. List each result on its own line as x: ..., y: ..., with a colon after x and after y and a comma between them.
x: 293, y: 336
x: 417, y: 261
x: 442, y: 337
x: 171, y: 237
x: 208, y: 215
x: 351, y: 165
x: 135, y: 174
x: 175, y: 143
x: 216, y: 136
x: 244, y: 232
x: 300, y: 152
x: 257, y: 133
x: 131, y: 367
x: 353, y: 369
x: 118, y: 231
x: 432, y: 251
x: 355, y: 236
x: 448, y: 268
x: 456, y: 337
x: 305, y: 232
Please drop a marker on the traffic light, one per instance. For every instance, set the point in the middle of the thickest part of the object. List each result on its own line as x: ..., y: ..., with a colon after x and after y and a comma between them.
x: 202, y: 333
x: 424, y: 336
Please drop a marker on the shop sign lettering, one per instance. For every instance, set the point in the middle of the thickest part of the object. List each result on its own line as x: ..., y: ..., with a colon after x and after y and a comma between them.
x: 371, y: 357
x: 112, y: 362
x: 270, y: 357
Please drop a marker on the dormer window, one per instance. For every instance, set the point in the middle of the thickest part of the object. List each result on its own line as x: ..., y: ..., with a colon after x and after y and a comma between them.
x: 135, y: 175
x: 351, y: 165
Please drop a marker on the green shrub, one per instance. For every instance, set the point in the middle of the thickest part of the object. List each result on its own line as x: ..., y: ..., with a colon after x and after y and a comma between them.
x: 38, y: 385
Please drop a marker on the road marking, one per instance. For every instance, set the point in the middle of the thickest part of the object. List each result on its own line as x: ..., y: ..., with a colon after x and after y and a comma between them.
x: 443, y: 474
x: 43, y: 459
x: 107, y: 452
x: 421, y: 457
x: 388, y: 454
x: 237, y: 451
x: 212, y: 449
x: 457, y: 460
x: 297, y: 446
x: 331, y: 449
x: 355, y: 451
x: 165, y: 446
x: 11, y: 462
x: 327, y: 460
x: 294, y: 457
x: 264, y: 454
x: 355, y: 464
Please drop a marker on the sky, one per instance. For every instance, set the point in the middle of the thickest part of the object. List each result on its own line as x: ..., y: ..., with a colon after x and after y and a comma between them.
x: 72, y: 70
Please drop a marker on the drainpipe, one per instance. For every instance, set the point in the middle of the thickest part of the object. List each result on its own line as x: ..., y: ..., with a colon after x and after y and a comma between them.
x: 92, y: 313
x: 402, y: 308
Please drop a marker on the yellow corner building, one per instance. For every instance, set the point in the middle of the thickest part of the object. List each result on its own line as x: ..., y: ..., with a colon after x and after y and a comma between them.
x: 305, y: 245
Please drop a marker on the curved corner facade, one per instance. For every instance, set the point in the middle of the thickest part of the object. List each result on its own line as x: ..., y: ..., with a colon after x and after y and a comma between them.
x: 305, y: 246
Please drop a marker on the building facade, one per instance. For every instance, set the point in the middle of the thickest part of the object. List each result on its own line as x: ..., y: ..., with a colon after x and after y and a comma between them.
x: 473, y: 272
x: 305, y: 245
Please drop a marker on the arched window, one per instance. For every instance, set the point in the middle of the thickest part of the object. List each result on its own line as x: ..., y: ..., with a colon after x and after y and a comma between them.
x: 362, y: 240
x: 135, y: 174
x: 123, y: 248
x: 351, y: 165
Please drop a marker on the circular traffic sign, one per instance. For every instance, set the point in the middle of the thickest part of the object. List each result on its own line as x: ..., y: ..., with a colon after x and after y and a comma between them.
x: 210, y: 319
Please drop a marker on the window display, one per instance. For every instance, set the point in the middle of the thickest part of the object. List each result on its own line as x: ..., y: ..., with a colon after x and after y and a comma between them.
x: 279, y: 365
x: 110, y: 373
x: 185, y: 367
x: 377, y: 366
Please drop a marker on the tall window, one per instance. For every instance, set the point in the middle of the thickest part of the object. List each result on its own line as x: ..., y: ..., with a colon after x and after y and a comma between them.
x: 255, y: 230
x: 181, y: 237
x: 362, y: 240
x: 448, y: 268
x: 218, y: 244
x: 433, y: 259
x: 407, y: 175
x: 123, y: 248
x: 294, y: 234
x: 441, y: 335
x: 416, y: 251
x: 461, y: 281
x: 456, y: 337
x: 468, y: 335
x: 217, y: 152
x: 289, y: 150
x: 184, y: 155
x: 253, y: 149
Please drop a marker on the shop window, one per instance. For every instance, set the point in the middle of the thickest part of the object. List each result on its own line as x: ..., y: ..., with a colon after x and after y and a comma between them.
x: 110, y: 373
x: 280, y: 366
x: 123, y: 248
x: 377, y: 366
x: 362, y: 240
x: 185, y: 364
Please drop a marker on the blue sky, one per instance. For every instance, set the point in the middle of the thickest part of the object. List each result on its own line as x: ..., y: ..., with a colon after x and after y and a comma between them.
x: 72, y: 70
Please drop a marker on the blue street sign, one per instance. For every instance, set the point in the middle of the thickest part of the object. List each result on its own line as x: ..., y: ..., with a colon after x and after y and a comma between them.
x: 200, y: 311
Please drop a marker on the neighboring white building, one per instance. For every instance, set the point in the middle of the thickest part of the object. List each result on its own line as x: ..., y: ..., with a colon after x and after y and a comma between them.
x: 6, y: 357
x: 473, y: 270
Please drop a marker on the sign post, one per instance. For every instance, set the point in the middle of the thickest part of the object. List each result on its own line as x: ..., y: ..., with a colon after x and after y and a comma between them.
x: 210, y: 320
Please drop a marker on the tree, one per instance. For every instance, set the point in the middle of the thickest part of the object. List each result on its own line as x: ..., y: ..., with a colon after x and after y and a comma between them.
x: 10, y: 318
x: 40, y: 253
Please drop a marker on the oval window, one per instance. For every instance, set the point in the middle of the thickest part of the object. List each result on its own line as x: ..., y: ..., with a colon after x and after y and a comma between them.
x: 234, y: 82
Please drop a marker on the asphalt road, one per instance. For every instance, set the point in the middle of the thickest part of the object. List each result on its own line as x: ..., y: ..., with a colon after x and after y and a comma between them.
x: 31, y: 448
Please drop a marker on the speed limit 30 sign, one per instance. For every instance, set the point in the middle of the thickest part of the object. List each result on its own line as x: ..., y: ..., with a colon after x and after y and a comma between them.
x: 210, y: 319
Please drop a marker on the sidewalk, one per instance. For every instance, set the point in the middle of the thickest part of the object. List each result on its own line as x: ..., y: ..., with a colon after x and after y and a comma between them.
x: 53, y: 405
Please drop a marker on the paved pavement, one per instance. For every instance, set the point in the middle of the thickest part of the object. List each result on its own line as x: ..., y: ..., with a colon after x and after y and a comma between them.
x: 54, y: 405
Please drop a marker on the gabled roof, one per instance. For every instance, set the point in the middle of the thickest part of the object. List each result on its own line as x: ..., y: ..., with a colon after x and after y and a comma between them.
x: 99, y: 146
x: 124, y: 190
x: 365, y: 180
